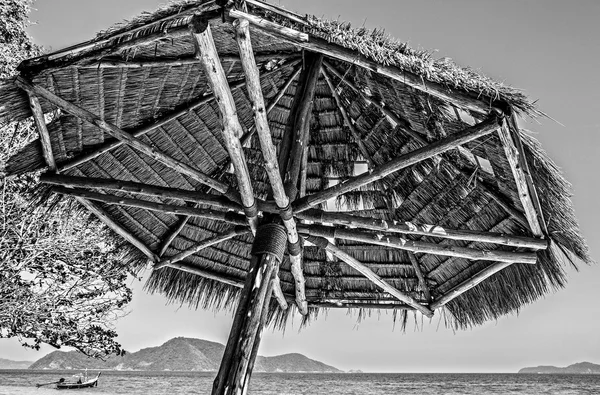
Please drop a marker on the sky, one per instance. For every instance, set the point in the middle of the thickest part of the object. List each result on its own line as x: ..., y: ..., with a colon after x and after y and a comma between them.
x: 547, y: 48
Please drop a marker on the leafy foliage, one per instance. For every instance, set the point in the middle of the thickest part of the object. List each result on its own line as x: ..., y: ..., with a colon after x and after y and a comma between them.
x: 62, y: 277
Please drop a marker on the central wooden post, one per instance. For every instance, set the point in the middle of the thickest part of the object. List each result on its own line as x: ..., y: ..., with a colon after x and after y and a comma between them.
x: 251, y: 314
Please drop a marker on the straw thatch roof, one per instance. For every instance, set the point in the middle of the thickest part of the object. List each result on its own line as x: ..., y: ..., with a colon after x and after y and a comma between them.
x: 387, y: 101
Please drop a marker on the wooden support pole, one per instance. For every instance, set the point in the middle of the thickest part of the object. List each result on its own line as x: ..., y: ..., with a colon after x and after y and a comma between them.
x: 470, y: 283
x: 368, y: 273
x: 139, y: 188
x: 403, y: 161
x: 206, y: 52
x: 270, y: 157
x: 516, y: 165
x: 40, y: 123
x: 201, y: 246
x: 342, y: 108
x: 267, y: 253
x: 154, y: 124
x: 412, y: 228
x: 126, y: 138
x: 417, y: 246
x: 117, y: 228
x: 332, y: 50
x: 228, y: 217
x: 422, y: 282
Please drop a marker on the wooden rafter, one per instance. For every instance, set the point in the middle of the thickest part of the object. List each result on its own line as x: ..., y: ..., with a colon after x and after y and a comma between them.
x: 368, y: 273
x: 401, y: 162
x: 468, y: 284
x: 40, y: 123
x: 417, y: 246
x: 515, y: 133
x: 348, y: 121
x: 117, y: 228
x: 228, y: 217
x: 422, y: 281
x: 201, y: 246
x: 109, y: 63
x: 338, y: 52
x: 516, y: 165
x: 270, y: 157
x: 300, y: 115
x: 127, y: 138
x: 185, y: 267
x: 143, y: 189
x: 206, y: 52
x: 155, y: 124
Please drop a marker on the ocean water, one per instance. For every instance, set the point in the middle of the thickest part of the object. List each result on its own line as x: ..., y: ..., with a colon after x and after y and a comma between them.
x: 17, y: 382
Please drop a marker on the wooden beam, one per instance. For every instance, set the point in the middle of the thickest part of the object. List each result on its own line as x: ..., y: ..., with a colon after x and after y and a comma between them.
x: 108, y: 63
x: 422, y: 282
x: 206, y: 52
x: 368, y: 273
x: 142, y: 189
x: 117, y: 228
x: 516, y: 163
x: 185, y: 267
x: 353, y: 304
x: 401, y: 162
x: 411, y: 228
x: 278, y: 10
x: 301, y: 126
x: 127, y: 138
x: 470, y: 283
x: 315, y: 44
x: 172, y: 234
x: 342, y: 108
x: 515, y: 133
x: 270, y: 157
x: 228, y: 217
x: 418, y: 246
x: 201, y: 246
x: 40, y: 123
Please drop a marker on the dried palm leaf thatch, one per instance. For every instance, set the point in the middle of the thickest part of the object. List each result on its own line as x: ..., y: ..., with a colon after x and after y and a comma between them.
x: 142, y: 77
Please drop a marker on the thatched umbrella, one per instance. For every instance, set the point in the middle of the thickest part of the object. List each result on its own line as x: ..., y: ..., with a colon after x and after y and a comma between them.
x: 247, y: 151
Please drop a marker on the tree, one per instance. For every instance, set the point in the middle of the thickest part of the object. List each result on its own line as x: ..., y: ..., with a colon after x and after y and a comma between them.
x: 63, y: 277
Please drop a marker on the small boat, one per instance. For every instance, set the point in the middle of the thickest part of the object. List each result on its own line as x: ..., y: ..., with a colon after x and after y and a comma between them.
x: 63, y: 385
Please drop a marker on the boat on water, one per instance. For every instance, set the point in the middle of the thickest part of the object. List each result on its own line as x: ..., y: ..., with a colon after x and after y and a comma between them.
x: 64, y: 385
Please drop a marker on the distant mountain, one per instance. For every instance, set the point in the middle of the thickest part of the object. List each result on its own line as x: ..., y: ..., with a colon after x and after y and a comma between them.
x: 8, y: 364
x: 577, y: 368
x: 179, y: 354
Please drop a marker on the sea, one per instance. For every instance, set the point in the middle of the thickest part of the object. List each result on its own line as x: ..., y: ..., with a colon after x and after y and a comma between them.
x: 13, y: 382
